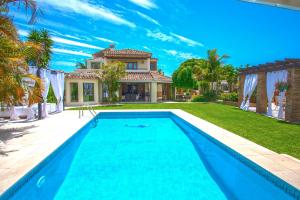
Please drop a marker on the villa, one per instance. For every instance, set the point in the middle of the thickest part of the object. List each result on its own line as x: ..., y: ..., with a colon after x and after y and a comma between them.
x: 142, y: 83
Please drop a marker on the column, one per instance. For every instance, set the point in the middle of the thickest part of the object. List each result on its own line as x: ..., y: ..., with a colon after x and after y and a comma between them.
x: 241, y: 88
x: 292, y: 110
x: 261, y: 94
x: 153, y: 92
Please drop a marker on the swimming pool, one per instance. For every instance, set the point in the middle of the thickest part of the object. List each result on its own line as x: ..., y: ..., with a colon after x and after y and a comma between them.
x: 146, y: 155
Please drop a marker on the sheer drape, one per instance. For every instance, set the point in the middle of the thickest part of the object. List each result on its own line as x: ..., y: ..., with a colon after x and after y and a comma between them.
x: 57, y: 82
x: 249, y: 87
x: 272, y: 79
x: 30, y: 111
x: 45, y: 76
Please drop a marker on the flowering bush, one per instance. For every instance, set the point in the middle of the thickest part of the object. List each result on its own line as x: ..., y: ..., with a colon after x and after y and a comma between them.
x: 282, y: 86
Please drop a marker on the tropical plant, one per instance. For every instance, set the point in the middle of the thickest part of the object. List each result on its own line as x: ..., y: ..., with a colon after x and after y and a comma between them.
x: 214, y: 67
x: 40, y: 38
x: 81, y: 65
x: 28, y: 4
x: 13, y: 53
x: 111, y: 74
x: 230, y: 74
x: 188, y: 73
x: 42, y: 56
x: 206, y: 97
x: 233, y: 96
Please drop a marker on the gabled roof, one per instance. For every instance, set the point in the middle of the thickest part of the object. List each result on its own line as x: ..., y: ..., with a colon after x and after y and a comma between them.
x: 151, y: 76
x: 82, y: 75
x: 122, y: 53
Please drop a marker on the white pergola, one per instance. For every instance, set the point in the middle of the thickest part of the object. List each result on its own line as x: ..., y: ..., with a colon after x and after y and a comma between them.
x: 290, y: 4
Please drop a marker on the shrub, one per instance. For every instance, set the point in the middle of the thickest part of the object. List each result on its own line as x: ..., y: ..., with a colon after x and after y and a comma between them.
x: 229, y: 97
x: 206, y: 97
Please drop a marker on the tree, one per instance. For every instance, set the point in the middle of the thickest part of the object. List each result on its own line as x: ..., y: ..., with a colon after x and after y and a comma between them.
x: 81, y: 65
x: 43, y: 39
x: 183, y: 77
x: 230, y: 74
x: 28, y: 4
x: 111, y: 74
x: 13, y: 53
x: 40, y: 59
x: 214, y: 67
x: 191, y: 74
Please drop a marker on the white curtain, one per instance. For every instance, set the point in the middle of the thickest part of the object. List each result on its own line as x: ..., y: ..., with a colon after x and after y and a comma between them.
x: 12, y: 113
x: 272, y: 79
x: 45, y: 76
x: 57, y: 82
x: 30, y: 111
x: 249, y: 87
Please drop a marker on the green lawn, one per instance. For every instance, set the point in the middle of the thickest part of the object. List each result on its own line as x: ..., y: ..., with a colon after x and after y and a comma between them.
x: 276, y: 135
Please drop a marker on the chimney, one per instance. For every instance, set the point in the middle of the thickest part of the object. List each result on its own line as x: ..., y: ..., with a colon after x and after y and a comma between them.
x: 112, y: 46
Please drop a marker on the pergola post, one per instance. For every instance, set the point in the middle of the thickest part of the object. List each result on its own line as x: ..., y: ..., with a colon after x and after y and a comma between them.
x: 241, y: 88
x: 292, y: 110
x: 261, y: 93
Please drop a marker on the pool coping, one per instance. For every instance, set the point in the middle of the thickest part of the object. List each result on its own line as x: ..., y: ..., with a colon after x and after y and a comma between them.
x: 283, y: 167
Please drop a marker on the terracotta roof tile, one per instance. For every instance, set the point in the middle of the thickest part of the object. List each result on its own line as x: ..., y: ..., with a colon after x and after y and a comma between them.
x: 123, y: 53
x: 82, y: 75
x: 130, y: 76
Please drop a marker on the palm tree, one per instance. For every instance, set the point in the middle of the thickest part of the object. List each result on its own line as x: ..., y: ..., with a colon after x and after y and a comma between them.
x: 81, y: 65
x: 214, y: 66
x: 28, y: 4
x: 13, y: 53
x: 40, y: 59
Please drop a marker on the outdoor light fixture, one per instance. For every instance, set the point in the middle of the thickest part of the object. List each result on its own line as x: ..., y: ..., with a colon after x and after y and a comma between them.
x: 289, y: 4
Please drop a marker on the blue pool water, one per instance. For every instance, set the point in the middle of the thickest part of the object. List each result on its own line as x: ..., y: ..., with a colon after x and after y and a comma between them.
x: 145, y: 156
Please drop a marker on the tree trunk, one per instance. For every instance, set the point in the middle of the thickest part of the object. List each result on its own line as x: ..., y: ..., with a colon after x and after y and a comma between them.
x: 39, y: 104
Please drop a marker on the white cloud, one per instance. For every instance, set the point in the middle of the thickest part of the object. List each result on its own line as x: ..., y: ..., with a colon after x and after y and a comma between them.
x: 90, y: 10
x: 65, y: 63
x: 148, y: 18
x: 72, y: 36
x: 63, y: 41
x: 66, y: 51
x: 173, y: 37
x: 148, y: 4
x: 23, y: 33
x: 188, y: 41
x: 145, y: 47
x: 73, y: 43
x: 180, y: 54
x: 106, y: 40
x: 160, y: 36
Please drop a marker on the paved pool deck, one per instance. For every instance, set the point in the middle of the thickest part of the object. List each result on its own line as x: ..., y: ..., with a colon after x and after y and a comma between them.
x: 25, y: 144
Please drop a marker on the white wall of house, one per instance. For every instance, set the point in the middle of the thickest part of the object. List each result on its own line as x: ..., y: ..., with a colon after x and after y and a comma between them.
x: 69, y: 102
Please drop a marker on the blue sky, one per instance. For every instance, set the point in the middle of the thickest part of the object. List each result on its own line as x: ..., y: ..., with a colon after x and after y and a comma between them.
x: 173, y: 30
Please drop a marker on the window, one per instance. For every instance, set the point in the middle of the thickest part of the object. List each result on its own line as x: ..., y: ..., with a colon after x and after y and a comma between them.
x: 74, y: 92
x: 95, y: 65
x: 88, y: 91
x: 132, y: 65
x: 153, y: 66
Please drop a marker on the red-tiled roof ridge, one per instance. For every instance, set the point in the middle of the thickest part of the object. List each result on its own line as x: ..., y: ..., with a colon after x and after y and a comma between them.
x: 110, y: 52
x: 130, y: 76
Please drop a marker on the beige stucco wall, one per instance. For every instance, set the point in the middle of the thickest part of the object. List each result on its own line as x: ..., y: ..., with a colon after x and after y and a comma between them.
x: 153, y: 92
x: 142, y: 64
x: 80, y: 91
